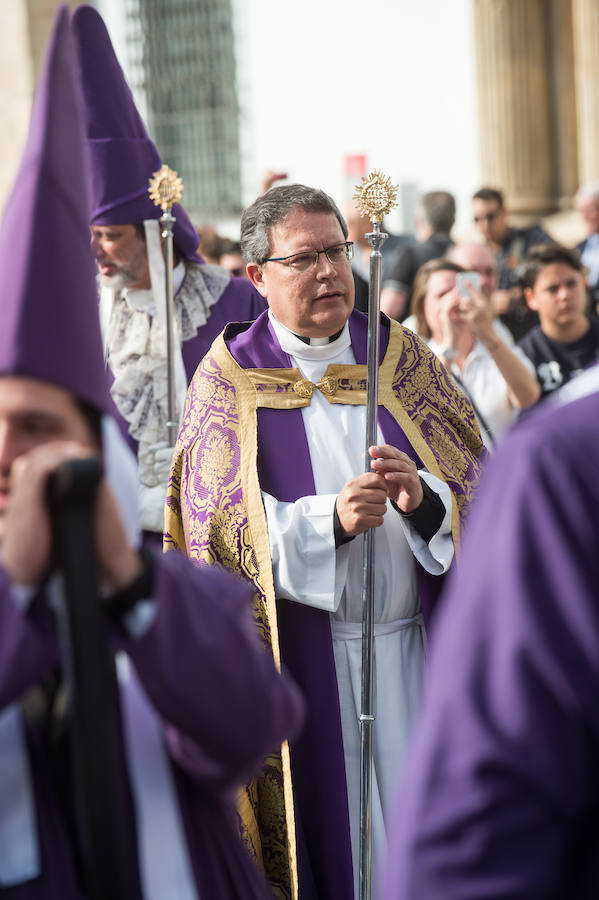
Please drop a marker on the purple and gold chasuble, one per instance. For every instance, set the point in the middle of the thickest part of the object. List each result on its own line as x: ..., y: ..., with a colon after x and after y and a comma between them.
x: 243, y: 433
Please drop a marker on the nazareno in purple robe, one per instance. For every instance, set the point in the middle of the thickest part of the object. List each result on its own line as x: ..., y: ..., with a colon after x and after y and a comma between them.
x: 500, y: 795
x: 317, y: 761
x: 223, y: 704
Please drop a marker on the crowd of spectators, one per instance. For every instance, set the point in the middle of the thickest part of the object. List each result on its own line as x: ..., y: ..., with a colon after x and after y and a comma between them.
x: 221, y: 251
x: 520, y: 323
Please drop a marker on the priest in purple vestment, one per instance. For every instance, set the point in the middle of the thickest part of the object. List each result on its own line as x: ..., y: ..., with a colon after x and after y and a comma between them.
x: 269, y: 480
x: 200, y: 700
x: 127, y: 246
x: 500, y: 794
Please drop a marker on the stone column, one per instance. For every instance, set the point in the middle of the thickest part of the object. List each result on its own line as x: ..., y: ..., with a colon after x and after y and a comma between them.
x: 25, y: 28
x: 514, y: 88
x: 564, y: 108
x: 586, y: 62
x: 16, y: 88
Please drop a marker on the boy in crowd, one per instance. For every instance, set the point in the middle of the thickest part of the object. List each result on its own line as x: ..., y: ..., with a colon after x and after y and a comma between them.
x: 566, y: 340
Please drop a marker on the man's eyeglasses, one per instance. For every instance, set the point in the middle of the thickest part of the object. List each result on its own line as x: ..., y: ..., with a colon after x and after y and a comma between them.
x: 301, y: 262
x: 486, y: 217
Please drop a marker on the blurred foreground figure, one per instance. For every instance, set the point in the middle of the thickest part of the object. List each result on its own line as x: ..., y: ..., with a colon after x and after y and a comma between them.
x: 200, y: 700
x: 499, y: 798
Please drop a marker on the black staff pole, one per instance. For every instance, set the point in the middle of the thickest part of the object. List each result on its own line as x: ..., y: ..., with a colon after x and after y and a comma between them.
x: 106, y: 845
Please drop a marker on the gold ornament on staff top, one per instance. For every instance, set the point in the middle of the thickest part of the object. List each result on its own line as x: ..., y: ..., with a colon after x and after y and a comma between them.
x: 375, y: 196
x: 165, y: 188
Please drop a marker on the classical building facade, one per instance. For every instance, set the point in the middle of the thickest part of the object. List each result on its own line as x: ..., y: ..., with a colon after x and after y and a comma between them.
x: 537, y: 65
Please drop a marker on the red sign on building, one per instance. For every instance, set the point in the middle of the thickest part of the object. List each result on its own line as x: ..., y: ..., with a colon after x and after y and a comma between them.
x: 355, y: 163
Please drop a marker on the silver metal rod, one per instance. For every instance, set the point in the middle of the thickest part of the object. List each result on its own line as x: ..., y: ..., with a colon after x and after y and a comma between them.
x: 376, y: 239
x: 167, y: 221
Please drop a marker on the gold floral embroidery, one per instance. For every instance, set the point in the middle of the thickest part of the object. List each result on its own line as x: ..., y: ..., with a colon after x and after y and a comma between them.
x: 214, y: 460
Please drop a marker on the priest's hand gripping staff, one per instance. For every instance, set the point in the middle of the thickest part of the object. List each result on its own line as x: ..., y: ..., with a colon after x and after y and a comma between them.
x: 165, y: 190
x: 107, y: 850
x: 374, y: 197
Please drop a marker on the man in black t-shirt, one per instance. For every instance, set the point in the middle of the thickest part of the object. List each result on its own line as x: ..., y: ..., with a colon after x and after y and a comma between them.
x: 433, y: 220
x: 510, y: 246
x: 567, y: 340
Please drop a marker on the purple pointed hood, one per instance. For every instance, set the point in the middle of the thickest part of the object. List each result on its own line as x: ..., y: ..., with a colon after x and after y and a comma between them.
x: 122, y: 156
x: 48, y: 298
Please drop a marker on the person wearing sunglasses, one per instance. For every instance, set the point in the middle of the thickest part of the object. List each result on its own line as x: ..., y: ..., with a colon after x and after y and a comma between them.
x: 510, y: 245
x: 270, y: 479
x: 433, y: 220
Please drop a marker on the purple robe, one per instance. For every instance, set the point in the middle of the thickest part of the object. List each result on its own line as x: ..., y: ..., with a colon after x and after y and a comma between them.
x: 221, y: 700
x: 318, y: 766
x: 500, y: 795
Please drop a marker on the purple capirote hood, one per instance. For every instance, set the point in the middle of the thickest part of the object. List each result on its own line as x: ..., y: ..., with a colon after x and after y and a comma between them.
x: 50, y: 326
x: 122, y: 156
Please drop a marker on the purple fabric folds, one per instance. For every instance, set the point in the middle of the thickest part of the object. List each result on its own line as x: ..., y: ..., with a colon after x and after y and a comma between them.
x: 499, y: 795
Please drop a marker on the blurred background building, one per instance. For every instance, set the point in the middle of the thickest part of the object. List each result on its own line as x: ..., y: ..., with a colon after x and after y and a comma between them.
x: 179, y: 59
x: 537, y: 64
x: 503, y: 93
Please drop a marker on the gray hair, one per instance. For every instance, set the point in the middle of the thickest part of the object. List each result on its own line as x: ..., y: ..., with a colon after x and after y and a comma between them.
x: 274, y: 206
x: 590, y: 189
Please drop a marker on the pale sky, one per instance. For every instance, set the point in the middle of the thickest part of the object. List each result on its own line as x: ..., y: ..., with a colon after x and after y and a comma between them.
x: 320, y: 79
x: 394, y: 80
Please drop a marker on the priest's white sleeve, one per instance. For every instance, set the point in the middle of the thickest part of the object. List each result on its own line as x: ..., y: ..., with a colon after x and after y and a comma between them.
x: 436, y: 556
x: 306, y: 567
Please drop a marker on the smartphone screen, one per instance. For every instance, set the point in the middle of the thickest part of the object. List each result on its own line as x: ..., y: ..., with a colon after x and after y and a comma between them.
x: 464, y: 278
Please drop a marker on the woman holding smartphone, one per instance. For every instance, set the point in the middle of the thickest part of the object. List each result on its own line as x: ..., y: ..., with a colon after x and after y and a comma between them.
x: 451, y: 311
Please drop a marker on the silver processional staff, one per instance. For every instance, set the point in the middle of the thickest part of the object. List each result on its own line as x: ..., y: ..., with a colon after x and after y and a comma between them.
x: 374, y: 197
x: 165, y: 190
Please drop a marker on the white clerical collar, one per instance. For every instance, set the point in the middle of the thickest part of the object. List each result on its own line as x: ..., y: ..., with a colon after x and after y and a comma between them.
x: 144, y: 300
x: 318, y: 348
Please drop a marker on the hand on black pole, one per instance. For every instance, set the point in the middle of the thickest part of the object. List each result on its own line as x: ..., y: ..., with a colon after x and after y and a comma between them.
x: 62, y: 517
